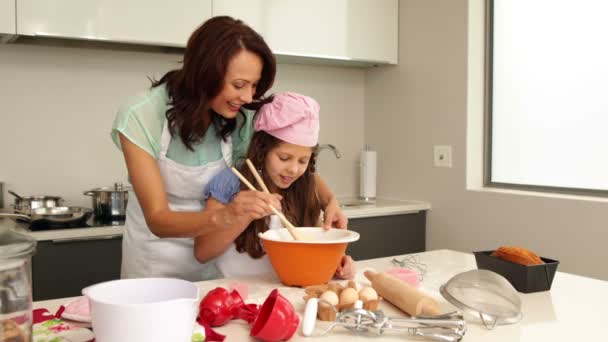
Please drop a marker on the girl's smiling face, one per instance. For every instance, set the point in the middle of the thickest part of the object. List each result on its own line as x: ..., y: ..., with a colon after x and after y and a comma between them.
x: 286, y: 163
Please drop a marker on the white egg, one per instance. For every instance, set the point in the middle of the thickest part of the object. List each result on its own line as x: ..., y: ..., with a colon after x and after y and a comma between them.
x: 329, y: 296
x: 348, y: 296
x: 368, y: 293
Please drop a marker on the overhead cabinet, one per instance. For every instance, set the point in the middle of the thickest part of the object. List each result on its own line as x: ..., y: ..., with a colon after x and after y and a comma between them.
x: 360, y: 30
x: 7, y: 17
x: 150, y: 22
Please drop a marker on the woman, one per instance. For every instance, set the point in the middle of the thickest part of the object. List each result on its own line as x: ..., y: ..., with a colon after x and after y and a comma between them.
x: 188, y: 127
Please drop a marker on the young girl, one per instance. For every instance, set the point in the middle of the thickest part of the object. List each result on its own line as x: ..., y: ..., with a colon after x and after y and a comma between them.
x: 282, y: 148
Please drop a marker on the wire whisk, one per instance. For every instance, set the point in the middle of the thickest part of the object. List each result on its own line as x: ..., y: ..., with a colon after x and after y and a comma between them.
x: 411, y: 261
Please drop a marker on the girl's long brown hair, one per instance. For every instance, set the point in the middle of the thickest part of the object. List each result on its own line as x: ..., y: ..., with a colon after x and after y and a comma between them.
x: 300, y: 203
x: 201, y: 78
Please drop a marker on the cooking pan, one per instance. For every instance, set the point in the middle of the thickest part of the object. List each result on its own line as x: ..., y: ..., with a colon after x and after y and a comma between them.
x: 55, y: 215
x: 25, y: 204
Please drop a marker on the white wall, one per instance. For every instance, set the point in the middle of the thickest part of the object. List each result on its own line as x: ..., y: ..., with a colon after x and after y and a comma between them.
x: 422, y: 102
x: 57, y: 105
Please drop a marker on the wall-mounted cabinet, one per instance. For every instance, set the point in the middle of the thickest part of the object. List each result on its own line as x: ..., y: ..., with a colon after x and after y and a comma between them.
x: 356, y: 32
x: 7, y: 17
x: 150, y: 22
x: 360, y: 30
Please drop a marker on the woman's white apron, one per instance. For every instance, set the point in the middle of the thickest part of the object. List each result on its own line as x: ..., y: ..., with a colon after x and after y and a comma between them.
x: 146, y: 255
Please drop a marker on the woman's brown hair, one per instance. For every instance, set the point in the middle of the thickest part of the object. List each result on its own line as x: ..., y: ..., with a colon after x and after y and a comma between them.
x: 201, y: 77
x: 300, y: 203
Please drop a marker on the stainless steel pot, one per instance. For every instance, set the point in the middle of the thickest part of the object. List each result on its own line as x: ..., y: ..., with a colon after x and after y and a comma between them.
x: 109, y: 203
x: 26, y: 204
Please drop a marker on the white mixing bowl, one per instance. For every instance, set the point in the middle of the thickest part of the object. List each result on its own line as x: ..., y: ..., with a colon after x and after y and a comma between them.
x: 146, y: 309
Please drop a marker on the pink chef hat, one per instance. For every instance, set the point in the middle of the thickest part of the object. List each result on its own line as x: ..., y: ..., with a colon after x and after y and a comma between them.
x: 291, y: 117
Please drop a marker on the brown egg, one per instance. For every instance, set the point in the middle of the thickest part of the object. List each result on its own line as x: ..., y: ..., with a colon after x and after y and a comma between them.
x: 367, y: 293
x: 329, y: 296
x: 348, y: 296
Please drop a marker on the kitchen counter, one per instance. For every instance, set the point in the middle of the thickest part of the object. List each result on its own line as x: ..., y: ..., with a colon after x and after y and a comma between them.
x: 571, y: 311
x: 352, y: 208
x: 356, y: 208
x: 61, y: 234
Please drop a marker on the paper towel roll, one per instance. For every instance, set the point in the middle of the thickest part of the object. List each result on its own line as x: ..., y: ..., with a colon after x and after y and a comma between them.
x: 367, y: 180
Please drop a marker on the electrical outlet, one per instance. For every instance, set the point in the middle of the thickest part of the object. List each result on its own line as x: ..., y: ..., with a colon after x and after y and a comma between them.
x: 442, y: 155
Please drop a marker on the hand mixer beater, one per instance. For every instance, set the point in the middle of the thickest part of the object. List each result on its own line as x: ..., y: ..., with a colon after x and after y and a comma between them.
x: 449, y: 327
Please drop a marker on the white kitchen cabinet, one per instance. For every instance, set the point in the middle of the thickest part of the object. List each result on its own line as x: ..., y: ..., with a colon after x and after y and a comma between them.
x: 7, y: 17
x: 360, y: 30
x: 152, y: 22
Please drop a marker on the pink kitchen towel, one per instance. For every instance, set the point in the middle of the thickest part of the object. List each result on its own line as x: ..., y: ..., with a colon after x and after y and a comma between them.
x: 77, y: 309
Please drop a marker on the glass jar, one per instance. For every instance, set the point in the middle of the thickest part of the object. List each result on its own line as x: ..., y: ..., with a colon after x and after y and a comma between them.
x: 15, y: 286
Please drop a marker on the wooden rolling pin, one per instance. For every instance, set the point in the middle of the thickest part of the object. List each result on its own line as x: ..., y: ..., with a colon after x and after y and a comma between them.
x: 403, y: 295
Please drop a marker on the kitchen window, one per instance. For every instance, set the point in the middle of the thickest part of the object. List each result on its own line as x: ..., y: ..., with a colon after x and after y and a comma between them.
x: 546, y: 95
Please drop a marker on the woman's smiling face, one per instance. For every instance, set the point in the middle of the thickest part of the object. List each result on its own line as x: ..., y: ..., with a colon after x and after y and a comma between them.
x: 286, y: 163
x: 240, y: 82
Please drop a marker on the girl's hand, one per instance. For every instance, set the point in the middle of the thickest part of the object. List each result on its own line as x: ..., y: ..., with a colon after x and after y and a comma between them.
x: 253, y: 205
x: 346, y: 270
x: 333, y: 216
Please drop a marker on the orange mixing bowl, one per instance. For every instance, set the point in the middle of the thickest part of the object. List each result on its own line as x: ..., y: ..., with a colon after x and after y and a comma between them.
x: 311, y: 261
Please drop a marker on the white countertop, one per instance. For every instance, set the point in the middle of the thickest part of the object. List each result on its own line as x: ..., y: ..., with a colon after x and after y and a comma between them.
x: 380, y: 207
x: 571, y: 311
x: 62, y: 234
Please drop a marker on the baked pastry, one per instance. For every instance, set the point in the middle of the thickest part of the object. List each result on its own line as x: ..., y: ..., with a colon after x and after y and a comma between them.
x: 518, y: 255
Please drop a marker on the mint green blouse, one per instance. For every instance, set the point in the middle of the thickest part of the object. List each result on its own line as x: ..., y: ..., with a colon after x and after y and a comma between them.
x: 142, y: 118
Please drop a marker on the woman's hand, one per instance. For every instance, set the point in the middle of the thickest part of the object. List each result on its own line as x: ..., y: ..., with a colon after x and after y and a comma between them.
x: 333, y: 216
x: 252, y: 205
x: 347, y: 269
